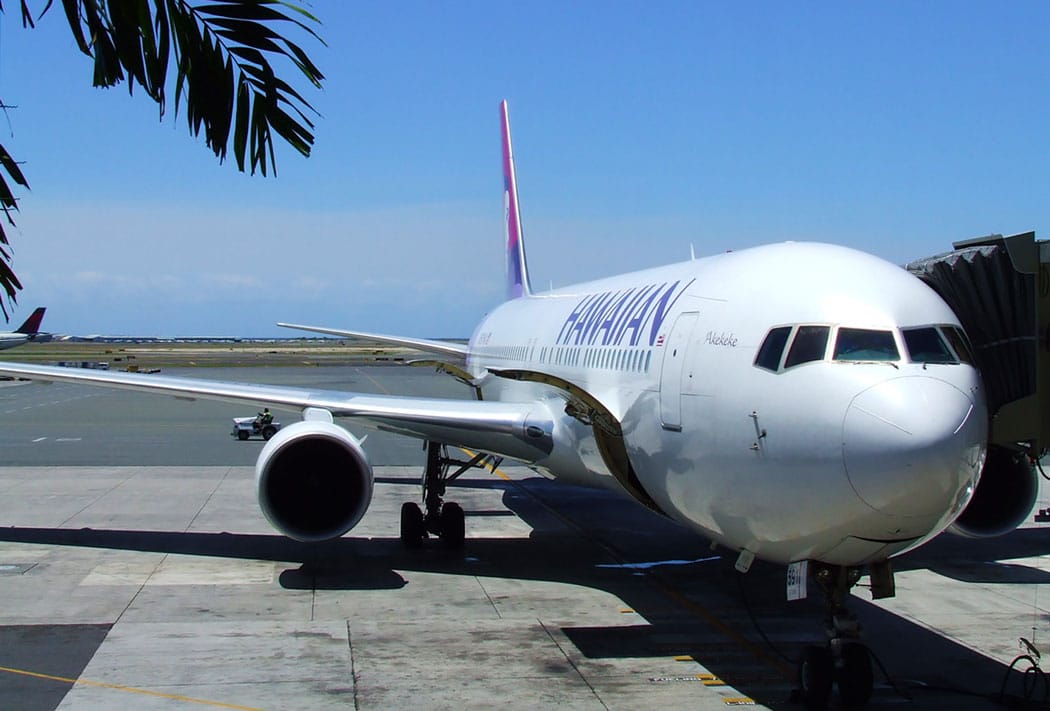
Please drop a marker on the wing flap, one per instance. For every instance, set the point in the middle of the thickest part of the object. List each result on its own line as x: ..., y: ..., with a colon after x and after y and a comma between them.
x: 520, y: 430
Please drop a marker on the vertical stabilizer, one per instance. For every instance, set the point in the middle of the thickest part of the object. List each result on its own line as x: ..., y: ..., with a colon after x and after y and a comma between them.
x: 517, y: 271
x: 32, y: 324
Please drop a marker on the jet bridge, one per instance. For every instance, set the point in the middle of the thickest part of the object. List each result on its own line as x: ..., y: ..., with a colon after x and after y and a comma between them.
x: 999, y: 287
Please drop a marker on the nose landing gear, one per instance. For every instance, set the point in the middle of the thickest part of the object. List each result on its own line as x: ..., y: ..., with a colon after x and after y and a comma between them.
x: 444, y: 519
x: 845, y: 661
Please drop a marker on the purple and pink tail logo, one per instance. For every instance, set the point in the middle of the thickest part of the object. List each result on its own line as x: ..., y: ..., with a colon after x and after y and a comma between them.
x: 517, y: 271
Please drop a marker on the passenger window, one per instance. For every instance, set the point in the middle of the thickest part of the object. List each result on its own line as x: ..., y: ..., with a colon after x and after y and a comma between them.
x: 959, y: 342
x: 772, y: 348
x: 864, y: 344
x: 925, y: 345
x: 811, y: 342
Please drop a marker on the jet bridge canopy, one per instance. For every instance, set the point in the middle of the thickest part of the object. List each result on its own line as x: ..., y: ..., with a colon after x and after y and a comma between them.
x: 999, y: 287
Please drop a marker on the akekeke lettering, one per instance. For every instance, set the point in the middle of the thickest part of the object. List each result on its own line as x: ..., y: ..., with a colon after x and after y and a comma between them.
x: 621, y: 317
x: 720, y: 339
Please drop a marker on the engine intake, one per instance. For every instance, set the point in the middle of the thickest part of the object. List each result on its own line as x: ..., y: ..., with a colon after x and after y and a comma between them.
x: 1004, y: 498
x: 314, y: 481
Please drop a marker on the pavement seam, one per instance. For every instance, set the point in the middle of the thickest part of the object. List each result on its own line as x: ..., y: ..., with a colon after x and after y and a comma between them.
x: 575, y: 668
x: 193, y: 520
x: 353, y: 664
x: 488, y: 597
x: 133, y: 598
x: 98, y: 498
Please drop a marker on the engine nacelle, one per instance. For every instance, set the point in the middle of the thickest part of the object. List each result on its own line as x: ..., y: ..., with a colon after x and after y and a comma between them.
x: 1004, y: 498
x: 313, y: 481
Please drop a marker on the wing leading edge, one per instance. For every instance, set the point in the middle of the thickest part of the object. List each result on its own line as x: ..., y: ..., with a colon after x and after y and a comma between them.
x: 518, y: 430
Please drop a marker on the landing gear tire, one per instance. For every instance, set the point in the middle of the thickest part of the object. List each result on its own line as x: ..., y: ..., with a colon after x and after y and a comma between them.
x: 855, y: 678
x: 816, y: 673
x: 412, y: 529
x: 437, y: 517
x: 453, y: 524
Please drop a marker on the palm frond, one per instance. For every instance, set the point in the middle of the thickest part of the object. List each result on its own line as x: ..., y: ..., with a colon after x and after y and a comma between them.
x: 9, y: 282
x: 224, y: 78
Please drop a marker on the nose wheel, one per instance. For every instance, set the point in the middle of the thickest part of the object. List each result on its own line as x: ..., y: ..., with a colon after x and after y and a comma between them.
x: 844, y: 662
x: 443, y: 519
x: 820, y: 670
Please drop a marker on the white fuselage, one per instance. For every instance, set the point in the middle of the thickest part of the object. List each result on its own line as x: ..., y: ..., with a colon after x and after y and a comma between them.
x: 841, y: 460
x: 10, y: 340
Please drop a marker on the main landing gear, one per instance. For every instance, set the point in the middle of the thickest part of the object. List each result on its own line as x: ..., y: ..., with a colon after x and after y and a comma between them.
x: 845, y: 661
x: 444, y: 519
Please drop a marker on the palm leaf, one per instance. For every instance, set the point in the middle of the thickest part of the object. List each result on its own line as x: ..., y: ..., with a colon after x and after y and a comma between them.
x: 224, y: 79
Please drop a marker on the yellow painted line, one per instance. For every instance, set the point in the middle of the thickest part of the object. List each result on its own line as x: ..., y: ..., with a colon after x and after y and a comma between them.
x: 375, y: 382
x: 488, y: 466
x: 626, y: 611
x: 684, y: 658
x: 712, y: 619
x: 129, y: 689
x: 738, y: 701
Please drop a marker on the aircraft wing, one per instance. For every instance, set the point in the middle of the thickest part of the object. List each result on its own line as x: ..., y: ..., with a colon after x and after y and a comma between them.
x: 517, y: 430
x: 446, y: 348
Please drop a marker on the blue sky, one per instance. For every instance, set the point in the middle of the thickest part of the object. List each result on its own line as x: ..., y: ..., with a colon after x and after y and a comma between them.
x: 639, y: 128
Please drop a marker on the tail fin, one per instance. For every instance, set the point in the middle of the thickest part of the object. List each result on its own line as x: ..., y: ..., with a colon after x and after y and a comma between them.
x: 517, y: 269
x: 32, y: 324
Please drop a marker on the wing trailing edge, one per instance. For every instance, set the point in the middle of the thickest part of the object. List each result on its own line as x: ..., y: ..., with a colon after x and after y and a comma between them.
x: 446, y: 348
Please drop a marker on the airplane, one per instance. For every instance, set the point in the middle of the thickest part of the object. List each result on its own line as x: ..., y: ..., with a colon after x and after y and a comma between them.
x: 800, y: 403
x: 28, y: 331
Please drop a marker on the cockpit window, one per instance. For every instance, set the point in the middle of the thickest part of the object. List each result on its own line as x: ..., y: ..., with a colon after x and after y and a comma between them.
x: 959, y: 343
x: 865, y: 345
x: 810, y: 344
x: 925, y: 345
x: 772, y: 348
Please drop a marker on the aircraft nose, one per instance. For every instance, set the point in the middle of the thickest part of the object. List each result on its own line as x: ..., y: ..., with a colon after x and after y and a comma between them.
x: 912, y: 446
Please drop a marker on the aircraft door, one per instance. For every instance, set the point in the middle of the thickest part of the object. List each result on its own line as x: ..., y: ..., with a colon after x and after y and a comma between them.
x: 675, y: 352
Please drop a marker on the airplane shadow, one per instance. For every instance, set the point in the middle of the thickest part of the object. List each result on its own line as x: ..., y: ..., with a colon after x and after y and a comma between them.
x: 738, y: 627
x: 982, y: 560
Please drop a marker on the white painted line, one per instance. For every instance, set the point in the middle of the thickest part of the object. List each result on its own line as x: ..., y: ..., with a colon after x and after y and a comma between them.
x: 69, y: 439
x: 656, y: 563
x: 39, y: 439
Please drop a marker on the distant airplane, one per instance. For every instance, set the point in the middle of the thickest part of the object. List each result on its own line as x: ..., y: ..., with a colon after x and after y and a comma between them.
x: 28, y: 331
x: 805, y: 404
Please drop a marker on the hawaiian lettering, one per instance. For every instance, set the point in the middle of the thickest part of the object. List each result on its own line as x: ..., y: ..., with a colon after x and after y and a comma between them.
x: 622, y: 316
x: 720, y: 339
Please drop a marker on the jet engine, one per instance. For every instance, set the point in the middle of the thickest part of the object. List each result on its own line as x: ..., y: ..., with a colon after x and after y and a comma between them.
x: 313, y: 481
x: 1004, y: 498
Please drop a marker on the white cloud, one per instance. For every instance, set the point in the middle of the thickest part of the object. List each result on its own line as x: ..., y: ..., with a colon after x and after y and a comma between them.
x: 210, y: 271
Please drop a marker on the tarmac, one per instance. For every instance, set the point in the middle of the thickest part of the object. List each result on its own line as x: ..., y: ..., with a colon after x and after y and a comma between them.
x: 136, y: 571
